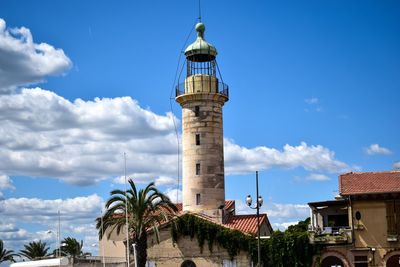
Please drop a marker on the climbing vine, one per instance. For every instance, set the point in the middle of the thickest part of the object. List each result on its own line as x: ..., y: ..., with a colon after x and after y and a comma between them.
x: 282, y: 249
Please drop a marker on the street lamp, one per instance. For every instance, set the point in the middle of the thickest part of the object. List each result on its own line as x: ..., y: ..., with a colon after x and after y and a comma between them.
x: 257, y: 207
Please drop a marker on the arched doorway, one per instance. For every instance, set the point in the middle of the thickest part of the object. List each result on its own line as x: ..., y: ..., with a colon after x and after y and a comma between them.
x: 332, y: 261
x: 393, y: 261
x: 188, y: 263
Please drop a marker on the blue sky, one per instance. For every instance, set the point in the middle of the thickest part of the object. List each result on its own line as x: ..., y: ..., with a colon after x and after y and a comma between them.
x: 314, y: 92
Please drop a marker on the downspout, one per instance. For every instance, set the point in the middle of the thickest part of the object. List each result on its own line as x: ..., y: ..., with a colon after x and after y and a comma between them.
x: 352, y: 223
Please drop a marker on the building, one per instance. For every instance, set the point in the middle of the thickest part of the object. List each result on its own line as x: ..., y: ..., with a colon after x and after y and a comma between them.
x: 202, y: 96
x: 361, y: 227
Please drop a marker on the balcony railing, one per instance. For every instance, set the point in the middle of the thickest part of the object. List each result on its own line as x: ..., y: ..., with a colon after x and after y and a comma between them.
x: 202, y: 87
x: 331, y: 235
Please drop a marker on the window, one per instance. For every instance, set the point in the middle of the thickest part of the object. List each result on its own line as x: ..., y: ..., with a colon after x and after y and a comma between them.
x: 197, y: 139
x: 393, y: 217
x: 150, y: 264
x: 197, y: 111
x: 197, y: 199
x: 197, y: 168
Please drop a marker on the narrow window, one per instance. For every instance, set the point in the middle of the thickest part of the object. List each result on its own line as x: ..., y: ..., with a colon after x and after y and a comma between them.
x: 197, y: 168
x: 197, y: 199
x: 391, y: 218
x: 197, y: 111
x: 197, y: 139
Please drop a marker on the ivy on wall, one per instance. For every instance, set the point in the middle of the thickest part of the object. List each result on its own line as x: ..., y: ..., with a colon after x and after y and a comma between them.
x: 284, y: 249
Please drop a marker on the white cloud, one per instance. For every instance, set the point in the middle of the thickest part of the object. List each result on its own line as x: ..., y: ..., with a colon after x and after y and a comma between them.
x: 317, y: 177
x: 240, y: 159
x: 6, y: 183
x: 312, y: 100
x: 396, y: 165
x: 81, y: 142
x: 77, y: 218
x: 280, y: 215
x: 46, y: 211
x: 175, y: 195
x: 376, y: 149
x: 283, y: 226
x: 22, y: 61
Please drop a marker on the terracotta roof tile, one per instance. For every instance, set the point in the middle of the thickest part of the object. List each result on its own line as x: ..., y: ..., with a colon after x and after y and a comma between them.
x: 245, y: 223
x: 354, y: 183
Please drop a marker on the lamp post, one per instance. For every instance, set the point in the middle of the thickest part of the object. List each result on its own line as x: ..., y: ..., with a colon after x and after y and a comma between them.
x: 257, y: 207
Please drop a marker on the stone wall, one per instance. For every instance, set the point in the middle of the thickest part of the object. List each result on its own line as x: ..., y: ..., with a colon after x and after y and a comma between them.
x: 168, y: 254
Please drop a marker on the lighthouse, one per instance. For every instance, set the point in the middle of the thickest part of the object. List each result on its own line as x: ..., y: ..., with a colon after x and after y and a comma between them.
x: 202, y: 96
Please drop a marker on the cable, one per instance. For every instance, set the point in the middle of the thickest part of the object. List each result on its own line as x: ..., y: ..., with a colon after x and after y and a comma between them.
x: 171, y: 107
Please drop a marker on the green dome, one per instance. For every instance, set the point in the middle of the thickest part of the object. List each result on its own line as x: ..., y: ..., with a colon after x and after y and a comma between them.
x: 200, y: 50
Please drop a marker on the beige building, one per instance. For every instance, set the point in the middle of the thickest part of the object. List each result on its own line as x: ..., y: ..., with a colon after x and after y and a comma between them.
x: 202, y: 96
x: 361, y: 227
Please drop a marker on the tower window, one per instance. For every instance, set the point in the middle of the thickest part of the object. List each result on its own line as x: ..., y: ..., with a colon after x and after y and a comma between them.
x: 197, y: 168
x: 197, y: 111
x: 197, y: 199
x: 197, y: 139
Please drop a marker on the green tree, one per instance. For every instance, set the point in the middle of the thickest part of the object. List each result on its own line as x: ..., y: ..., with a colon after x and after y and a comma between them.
x: 35, y: 250
x: 6, y: 255
x: 147, y: 209
x: 72, y: 247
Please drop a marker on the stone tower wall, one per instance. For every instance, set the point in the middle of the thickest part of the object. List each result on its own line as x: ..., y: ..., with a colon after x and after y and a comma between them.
x: 207, y: 178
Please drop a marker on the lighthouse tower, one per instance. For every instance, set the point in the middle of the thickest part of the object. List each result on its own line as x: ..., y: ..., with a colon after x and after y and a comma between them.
x: 202, y: 96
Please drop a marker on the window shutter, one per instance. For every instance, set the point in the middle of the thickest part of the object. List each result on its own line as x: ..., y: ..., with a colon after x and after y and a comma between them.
x: 390, y: 217
x: 397, y: 215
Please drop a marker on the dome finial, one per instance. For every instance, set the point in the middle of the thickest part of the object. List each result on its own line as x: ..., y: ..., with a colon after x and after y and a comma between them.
x: 200, y: 28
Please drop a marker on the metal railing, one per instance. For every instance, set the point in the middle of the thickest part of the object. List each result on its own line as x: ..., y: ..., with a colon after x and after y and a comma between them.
x: 202, y: 87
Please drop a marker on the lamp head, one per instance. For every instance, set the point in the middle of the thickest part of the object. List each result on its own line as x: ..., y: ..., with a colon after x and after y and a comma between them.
x: 260, y: 201
x: 249, y: 200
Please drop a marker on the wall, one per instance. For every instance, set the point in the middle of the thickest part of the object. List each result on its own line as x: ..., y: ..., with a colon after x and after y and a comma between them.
x: 168, y: 254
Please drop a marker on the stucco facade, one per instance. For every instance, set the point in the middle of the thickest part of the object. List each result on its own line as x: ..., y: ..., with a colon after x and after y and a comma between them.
x: 371, y: 234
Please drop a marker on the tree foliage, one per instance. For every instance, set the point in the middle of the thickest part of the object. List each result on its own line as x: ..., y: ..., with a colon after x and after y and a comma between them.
x: 283, y: 249
x: 6, y: 255
x: 72, y: 247
x: 146, y: 209
x: 35, y: 250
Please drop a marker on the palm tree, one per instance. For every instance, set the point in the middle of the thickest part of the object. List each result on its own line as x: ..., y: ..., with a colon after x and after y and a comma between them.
x: 35, y: 250
x: 6, y: 255
x: 147, y: 209
x: 71, y: 247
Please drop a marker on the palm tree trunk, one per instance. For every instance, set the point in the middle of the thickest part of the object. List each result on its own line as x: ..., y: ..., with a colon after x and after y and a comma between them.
x: 141, y: 250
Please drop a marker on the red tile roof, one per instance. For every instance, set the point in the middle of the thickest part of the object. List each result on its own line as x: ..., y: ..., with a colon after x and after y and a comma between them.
x: 245, y: 223
x: 355, y: 183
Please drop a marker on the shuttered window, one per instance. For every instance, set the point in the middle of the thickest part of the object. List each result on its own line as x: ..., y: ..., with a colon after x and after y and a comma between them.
x: 391, y: 217
x: 397, y: 215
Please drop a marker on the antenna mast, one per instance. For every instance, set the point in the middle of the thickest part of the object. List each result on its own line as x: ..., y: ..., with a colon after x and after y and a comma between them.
x: 126, y: 214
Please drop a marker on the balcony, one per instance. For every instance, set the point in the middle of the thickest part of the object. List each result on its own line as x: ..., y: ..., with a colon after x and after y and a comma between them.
x: 331, y: 236
x: 330, y: 222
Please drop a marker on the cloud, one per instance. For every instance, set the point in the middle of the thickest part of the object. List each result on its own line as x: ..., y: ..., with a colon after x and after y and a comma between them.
x: 77, y: 216
x: 175, y: 195
x: 239, y: 160
x: 376, y: 149
x: 22, y: 61
x: 6, y: 183
x: 283, y: 226
x: 396, y: 165
x: 317, y: 177
x: 280, y: 215
x: 312, y: 101
x: 81, y: 142
x: 46, y: 211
